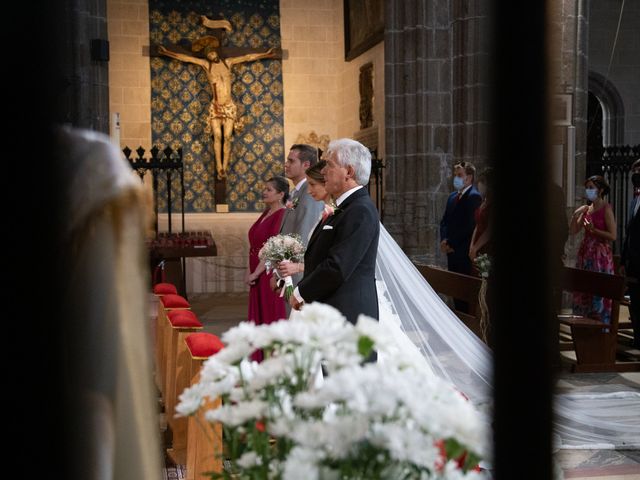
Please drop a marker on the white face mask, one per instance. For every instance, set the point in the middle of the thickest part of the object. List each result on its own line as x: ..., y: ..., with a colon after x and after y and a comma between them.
x: 458, y: 183
x: 592, y: 193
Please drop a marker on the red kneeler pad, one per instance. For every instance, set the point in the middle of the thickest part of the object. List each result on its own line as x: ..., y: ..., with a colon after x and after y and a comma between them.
x: 203, y: 345
x: 174, y: 301
x: 165, y: 289
x: 184, y: 319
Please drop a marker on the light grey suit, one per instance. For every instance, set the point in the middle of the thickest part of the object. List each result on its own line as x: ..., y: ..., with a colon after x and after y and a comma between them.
x: 301, y: 220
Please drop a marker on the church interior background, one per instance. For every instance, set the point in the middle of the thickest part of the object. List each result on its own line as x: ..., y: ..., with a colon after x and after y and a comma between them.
x: 428, y: 102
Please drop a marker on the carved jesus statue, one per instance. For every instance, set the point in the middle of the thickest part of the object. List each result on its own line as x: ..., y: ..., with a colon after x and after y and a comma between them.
x: 222, y: 111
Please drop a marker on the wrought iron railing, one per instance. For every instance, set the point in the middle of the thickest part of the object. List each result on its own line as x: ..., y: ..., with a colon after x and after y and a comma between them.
x: 614, y: 164
x: 376, y: 182
x: 167, y: 162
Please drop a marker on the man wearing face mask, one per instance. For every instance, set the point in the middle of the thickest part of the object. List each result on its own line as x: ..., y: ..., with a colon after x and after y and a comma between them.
x: 458, y: 222
x: 630, y: 261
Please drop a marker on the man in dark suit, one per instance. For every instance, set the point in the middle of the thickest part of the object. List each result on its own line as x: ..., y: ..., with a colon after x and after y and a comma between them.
x: 458, y: 222
x: 340, y: 261
x: 630, y: 261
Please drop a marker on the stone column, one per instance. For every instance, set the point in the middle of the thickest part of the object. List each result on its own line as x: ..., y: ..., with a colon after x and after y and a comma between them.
x: 435, y: 83
x: 82, y: 84
x: 470, y: 80
x: 418, y: 119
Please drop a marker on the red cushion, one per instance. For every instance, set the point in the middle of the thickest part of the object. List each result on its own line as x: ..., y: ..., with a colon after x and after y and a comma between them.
x: 165, y: 289
x: 203, y: 344
x: 174, y: 301
x: 183, y: 318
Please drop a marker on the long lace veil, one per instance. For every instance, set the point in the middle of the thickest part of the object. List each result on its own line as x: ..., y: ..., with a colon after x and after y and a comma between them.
x: 599, y: 419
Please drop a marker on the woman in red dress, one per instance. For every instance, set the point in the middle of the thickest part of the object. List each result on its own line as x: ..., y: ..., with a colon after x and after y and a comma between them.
x: 264, y: 304
x: 481, y: 238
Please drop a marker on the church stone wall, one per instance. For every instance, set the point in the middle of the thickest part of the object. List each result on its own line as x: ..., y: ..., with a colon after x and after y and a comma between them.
x: 313, y: 39
x: 624, y: 72
x: 129, y: 73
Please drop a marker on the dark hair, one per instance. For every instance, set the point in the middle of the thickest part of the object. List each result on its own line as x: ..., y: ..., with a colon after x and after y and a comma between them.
x: 307, y: 153
x: 469, y: 168
x: 599, y: 182
x: 281, y: 184
x: 636, y: 164
x: 314, y: 172
x: 486, y: 177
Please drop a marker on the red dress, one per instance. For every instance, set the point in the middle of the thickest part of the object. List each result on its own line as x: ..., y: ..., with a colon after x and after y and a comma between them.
x: 482, y: 216
x: 265, y: 306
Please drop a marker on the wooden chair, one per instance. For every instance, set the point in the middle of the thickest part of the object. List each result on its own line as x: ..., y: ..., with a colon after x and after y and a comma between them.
x: 204, y: 440
x: 460, y: 287
x: 595, y: 342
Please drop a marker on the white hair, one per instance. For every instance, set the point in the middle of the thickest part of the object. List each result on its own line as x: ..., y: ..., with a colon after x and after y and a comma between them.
x: 348, y: 152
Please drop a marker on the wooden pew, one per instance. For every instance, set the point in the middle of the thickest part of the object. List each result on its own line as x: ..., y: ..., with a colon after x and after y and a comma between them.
x: 459, y: 287
x: 166, y: 304
x: 181, y: 324
x: 204, y: 440
x: 594, y: 342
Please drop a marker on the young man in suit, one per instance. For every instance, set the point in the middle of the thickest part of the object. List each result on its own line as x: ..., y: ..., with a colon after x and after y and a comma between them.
x: 458, y: 222
x: 340, y: 260
x: 630, y: 261
x: 303, y: 212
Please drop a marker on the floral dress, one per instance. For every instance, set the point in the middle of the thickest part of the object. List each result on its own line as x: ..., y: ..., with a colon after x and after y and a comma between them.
x: 595, y: 255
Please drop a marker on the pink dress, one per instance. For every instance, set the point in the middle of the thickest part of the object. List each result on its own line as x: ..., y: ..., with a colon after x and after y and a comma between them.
x: 595, y: 255
x: 265, y: 306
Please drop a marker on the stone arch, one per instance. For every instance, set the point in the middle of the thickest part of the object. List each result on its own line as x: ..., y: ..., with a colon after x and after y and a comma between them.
x: 612, y: 108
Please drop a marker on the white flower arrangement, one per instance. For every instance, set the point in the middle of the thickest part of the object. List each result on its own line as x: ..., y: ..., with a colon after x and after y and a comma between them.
x: 282, y: 248
x: 483, y: 264
x: 282, y: 420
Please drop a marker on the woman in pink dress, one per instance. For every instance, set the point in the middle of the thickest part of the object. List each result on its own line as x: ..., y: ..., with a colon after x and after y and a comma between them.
x: 264, y: 305
x: 594, y: 254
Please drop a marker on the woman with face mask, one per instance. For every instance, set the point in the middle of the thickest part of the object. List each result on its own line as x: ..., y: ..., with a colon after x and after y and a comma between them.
x: 595, y: 254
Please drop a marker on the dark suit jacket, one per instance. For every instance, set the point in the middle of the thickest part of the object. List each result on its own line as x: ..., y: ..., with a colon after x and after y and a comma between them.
x: 340, y: 261
x: 458, y: 223
x: 631, y: 248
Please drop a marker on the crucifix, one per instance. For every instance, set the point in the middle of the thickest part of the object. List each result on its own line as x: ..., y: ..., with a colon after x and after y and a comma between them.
x: 218, y: 63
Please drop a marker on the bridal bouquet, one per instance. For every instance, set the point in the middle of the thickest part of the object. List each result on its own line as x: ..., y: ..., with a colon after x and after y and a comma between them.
x: 283, y: 420
x: 282, y: 248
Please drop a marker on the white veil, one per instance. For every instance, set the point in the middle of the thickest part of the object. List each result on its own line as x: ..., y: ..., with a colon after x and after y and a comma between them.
x: 596, y: 420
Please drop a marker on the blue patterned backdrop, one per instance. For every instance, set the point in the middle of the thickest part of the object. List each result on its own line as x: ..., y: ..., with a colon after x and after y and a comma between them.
x: 180, y: 98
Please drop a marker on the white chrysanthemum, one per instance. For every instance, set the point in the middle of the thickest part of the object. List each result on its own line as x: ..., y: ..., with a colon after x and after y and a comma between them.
x: 190, y: 400
x: 270, y: 370
x: 406, y: 445
x: 249, y: 459
x: 371, y: 328
x: 302, y: 463
x: 234, y: 351
x: 237, y: 414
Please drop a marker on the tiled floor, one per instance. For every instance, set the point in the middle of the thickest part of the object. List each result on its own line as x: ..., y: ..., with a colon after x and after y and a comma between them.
x: 219, y: 312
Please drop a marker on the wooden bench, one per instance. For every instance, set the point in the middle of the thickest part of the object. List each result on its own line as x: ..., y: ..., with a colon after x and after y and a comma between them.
x: 204, y: 439
x: 459, y: 287
x: 595, y: 342
x: 166, y: 304
x: 181, y: 324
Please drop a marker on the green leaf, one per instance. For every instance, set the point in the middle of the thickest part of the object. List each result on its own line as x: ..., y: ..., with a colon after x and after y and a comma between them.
x: 453, y: 448
x: 365, y: 346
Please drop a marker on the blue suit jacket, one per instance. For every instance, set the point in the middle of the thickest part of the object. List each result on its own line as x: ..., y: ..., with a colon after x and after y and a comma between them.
x: 459, y: 221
